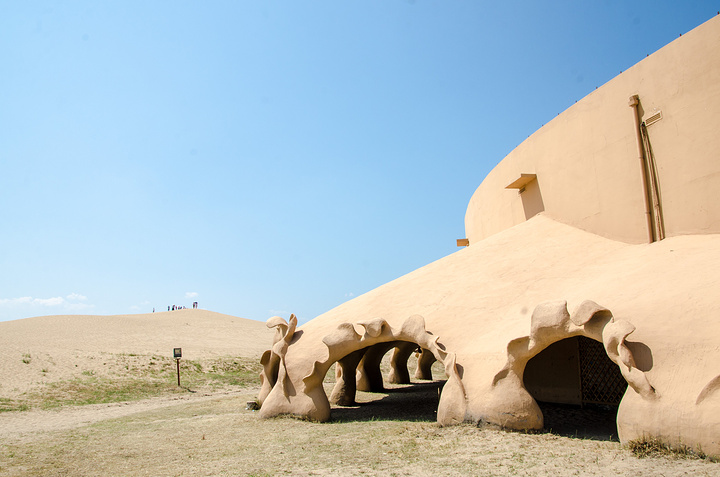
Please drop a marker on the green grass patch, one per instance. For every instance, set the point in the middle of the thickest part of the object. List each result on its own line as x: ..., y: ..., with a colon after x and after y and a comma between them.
x: 94, y: 390
x: 8, y: 405
x: 231, y: 372
x: 139, y: 377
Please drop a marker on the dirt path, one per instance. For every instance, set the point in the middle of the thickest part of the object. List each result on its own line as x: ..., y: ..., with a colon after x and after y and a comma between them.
x: 210, y: 433
x: 26, y: 426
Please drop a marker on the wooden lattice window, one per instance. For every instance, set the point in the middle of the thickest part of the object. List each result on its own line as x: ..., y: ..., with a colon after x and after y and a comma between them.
x: 600, y: 378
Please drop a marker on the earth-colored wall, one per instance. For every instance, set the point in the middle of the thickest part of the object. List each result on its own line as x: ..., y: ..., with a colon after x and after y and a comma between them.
x: 566, y: 258
x: 488, y: 309
x: 586, y: 159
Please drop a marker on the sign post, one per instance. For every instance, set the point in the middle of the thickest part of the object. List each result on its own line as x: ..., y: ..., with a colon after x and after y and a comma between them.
x: 177, y: 354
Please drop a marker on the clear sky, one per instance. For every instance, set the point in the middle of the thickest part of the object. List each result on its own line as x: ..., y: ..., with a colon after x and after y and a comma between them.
x: 269, y: 157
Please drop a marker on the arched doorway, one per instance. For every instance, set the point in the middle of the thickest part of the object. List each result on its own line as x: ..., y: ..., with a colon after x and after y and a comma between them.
x: 577, y: 387
x: 393, y: 381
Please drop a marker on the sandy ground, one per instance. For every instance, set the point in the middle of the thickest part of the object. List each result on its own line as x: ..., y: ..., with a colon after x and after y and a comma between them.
x: 47, y: 349
x: 27, y: 426
x: 389, y: 433
x: 211, y: 433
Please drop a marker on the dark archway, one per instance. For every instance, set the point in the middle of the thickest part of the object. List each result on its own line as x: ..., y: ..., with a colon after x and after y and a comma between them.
x: 383, y: 388
x: 577, y: 387
x: 398, y: 402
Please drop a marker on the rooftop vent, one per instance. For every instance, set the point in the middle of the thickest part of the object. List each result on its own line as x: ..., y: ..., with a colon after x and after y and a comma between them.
x: 653, y: 118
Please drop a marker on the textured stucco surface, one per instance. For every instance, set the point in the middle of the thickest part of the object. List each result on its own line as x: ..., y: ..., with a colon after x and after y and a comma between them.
x: 586, y: 159
x: 481, y: 298
x: 570, y: 258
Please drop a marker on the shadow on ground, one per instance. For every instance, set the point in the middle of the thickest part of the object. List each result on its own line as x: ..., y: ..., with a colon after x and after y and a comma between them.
x: 595, y: 422
x: 419, y: 401
x: 411, y: 402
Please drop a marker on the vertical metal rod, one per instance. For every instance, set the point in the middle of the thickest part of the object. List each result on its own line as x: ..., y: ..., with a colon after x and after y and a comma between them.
x: 654, y: 186
x: 178, y: 370
x: 633, y: 102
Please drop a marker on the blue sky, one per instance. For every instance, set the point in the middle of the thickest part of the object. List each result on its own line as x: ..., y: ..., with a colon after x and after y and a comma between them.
x: 265, y: 158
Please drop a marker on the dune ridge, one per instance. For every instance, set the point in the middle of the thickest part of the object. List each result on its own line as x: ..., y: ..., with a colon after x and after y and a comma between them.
x: 35, y: 351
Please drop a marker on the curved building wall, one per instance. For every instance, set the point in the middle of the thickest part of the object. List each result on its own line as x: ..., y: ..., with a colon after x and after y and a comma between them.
x: 583, y: 168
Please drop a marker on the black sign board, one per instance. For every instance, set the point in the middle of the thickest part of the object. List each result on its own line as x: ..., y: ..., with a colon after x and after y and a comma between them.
x: 177, y: 353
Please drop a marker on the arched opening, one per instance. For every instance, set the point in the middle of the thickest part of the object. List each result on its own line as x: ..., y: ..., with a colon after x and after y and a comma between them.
x: 577, y: 387
x: 394, y: 380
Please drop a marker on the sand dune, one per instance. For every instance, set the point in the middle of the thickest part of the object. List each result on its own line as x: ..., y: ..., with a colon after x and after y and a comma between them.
x: 53, y: 348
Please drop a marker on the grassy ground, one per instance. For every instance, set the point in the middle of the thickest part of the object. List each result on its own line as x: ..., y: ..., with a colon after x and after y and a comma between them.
x: 389, y: 433
x: 132, y: 377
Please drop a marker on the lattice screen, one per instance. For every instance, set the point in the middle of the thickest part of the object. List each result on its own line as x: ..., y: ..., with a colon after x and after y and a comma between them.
x: 600, y: 378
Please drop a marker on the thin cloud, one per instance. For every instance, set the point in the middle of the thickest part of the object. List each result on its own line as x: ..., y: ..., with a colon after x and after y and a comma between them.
x: 25, y: 306
x: 191, y: 294
x: 28, y: 300
x: 76, y: 297
x: 55, y: 301
x: 16, y: 301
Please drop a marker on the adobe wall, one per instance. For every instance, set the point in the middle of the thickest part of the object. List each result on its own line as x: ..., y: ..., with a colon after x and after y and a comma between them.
x: 589, y: 174
x: 498, y: 314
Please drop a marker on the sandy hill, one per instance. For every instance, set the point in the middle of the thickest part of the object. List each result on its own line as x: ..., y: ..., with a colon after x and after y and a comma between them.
x: 52, y: 348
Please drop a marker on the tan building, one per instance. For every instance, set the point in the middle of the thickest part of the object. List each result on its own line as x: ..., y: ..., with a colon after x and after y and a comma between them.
x: 592, y: 274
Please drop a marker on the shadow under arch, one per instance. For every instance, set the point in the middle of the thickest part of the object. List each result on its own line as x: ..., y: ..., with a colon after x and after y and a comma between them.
x: 299, y: 388
x: 577, y: 387
x: 362, y: 371
x: 402, y: 402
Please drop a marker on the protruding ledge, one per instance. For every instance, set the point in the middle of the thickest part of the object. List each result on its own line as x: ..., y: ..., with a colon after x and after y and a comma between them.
x: 522, y: 181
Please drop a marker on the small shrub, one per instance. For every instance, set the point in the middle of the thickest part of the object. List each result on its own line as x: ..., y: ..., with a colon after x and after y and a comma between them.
x: 150, y: 376
x: 655, y: 447
x: 8, y: 405
x: 94, y: 390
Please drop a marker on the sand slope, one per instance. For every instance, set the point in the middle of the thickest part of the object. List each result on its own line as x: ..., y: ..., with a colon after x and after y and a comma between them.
x: 53, y: 348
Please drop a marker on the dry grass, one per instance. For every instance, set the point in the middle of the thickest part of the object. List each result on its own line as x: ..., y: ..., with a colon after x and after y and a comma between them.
x: 384, y: 437
x: 131, y: 377
x: 654, y: 447
x: 183, y: 433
